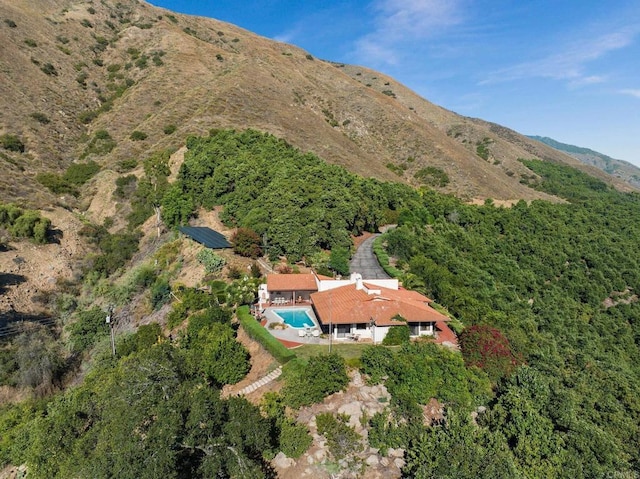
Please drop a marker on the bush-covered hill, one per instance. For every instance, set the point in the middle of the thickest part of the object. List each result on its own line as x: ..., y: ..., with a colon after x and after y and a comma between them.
x: 295, y: 201
x: 561, y: 281
x: 619, y: 168
x: 547, y: 293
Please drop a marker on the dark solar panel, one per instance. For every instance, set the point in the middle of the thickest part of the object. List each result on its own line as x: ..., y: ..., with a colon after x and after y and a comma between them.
x: 206, y: 236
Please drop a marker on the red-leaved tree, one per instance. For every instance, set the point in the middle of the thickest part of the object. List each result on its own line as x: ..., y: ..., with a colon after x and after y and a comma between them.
x: 246, y: 242
x: 488, y: 348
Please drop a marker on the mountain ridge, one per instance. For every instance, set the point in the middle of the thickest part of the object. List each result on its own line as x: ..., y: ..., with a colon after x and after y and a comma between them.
x: 619, y: 168
x: 131, y: 67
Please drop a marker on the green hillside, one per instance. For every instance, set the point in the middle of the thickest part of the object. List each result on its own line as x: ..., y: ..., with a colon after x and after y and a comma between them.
x: 622, y: 169
x: 545, y: 293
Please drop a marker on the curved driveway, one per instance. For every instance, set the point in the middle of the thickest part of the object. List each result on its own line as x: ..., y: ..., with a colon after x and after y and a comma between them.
x: 366, y: 263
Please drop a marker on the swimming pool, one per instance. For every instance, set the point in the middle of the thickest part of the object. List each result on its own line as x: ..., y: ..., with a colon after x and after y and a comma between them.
x: 295, y: 318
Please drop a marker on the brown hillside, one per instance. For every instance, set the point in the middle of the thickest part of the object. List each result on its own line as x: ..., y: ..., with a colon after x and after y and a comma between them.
x: 71, y: 68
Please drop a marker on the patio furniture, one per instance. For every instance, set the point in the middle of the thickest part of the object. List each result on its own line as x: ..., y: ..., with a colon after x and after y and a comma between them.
x: 315, y: 333
x: 302, y: 333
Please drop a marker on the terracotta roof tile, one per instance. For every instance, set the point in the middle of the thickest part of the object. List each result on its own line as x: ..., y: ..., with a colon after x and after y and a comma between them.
x: 347, y: 305
x: 324, y: 278
x: 291, y: 282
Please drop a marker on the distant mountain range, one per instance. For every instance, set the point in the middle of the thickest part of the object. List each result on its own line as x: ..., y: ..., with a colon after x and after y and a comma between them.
x: 619, y: 168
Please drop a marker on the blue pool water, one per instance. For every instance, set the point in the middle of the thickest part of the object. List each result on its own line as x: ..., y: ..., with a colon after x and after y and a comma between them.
x: 295, y: 318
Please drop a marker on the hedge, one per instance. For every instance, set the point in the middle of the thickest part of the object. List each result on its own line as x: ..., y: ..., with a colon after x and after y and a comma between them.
x: 258, y: 333
x: 383, y: 258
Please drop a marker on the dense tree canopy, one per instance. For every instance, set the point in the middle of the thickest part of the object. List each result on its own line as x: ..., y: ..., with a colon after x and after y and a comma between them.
x: 560, y: 280
x: 155, y: 411
x: 294, y: 200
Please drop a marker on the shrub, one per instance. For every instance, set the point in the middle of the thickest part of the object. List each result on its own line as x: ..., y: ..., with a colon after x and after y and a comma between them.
x: 12, y: 143
x: 482, y: 149
x: 134, y: 53
x: 343, y: 440
x: 294, y: 438
x: 39, y: 359
x: 255, y: 271
x: 125, y: 186
x: 142, y: 62
x: 41, y: 117
x: 10, y: 23
x: 79, y: 173
x: 211, y: 261
x: 377, y: 362
x: 56, y: 184
x: 88, y: 116
x: 31, y: 43
x: 310, y: 383
x: 190, y: 301
x: 124, y: 166
x: 215, y: 352
x: 234, y: 272
x: 138, y: 136
x: 115, y: 249
x: 146, y: 336
x: 397, y: 335
x: 31, y: 225
x: 100, y: 144
x: 169, y: 129
x: 89, y: 326
x: 432, y: 176
x: 160, y: 293
x: 49, y: 69
x: 395, y: 168
x: 24, y: 223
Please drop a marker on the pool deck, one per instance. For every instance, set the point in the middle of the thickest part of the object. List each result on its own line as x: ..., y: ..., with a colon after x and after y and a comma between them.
x: 289, y: 336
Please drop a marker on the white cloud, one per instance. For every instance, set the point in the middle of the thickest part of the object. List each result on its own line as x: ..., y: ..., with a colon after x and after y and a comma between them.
x: 632, y: 92
x: 587, y: 80
x: 571, y: 62
x: 400, y: 21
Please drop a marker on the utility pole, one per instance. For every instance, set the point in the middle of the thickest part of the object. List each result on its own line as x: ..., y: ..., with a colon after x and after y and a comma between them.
x: 372, y: 325
x: 110, y: 323
x: 330, y: 323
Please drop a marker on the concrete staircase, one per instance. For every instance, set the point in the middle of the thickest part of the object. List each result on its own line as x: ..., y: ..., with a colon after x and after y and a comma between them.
x: 260, y: 382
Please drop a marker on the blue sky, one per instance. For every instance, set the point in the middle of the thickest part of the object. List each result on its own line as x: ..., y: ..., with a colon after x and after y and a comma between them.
x: 567, y: 69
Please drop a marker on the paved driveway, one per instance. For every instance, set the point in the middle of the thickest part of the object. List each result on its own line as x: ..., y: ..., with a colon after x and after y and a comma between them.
x: 366, y: 263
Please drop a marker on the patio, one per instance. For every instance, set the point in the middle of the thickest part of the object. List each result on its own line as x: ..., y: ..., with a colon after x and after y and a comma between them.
x: 309, y: 335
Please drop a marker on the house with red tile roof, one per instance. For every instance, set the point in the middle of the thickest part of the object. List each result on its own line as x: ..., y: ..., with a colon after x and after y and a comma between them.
x: 355, y: 308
